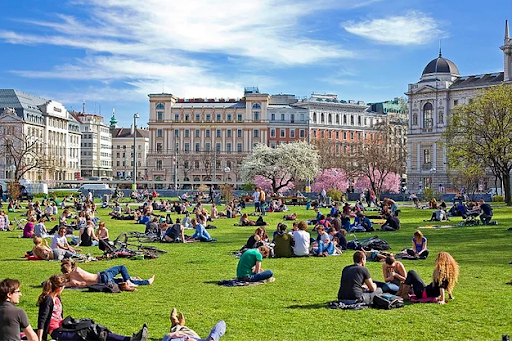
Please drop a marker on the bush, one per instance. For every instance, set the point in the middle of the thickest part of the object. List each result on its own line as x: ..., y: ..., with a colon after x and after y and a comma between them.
x: 498, y: 198
x: 429, y: 194
x: 62, y: 194
x: 226, y: 191
x: 335, y: 194
x: 248, y: 186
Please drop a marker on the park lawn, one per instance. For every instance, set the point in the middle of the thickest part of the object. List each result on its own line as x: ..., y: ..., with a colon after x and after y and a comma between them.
x: 294, y: 306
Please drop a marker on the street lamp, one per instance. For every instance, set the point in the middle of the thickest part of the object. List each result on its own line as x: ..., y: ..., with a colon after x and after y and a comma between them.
x: 135, y: 117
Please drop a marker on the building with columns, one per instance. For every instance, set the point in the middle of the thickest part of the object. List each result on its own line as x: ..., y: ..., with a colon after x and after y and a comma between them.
x: 204, y: 140
x: 431, y: 100
x: 51, y: 126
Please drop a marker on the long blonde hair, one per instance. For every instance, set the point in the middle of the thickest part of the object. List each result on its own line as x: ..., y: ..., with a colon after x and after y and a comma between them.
x: 447, y: 269
x: 50, y: 286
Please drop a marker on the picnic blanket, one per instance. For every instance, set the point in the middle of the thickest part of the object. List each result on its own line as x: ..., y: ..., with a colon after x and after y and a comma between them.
x: 436, y: 226
x: 235, y: 282
x: 347, y: 305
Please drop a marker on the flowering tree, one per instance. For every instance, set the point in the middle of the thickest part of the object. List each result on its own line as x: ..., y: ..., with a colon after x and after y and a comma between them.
x: 282, y: 165
x: 266, y: 184
x: 332, y: 178
x: 379, y: 182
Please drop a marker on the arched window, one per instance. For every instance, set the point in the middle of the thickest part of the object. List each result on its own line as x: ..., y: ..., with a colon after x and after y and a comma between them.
x: 351, y: 119
x: 440, y: 119
x: 256, y: 106
x: 160, y: 106
x: 330, y: 118
x: 322, y: 118
x: 337, y: 119
x: 415, y: 119
x: 344, y: 119
x: 427, y: 115
x: 314, y: 117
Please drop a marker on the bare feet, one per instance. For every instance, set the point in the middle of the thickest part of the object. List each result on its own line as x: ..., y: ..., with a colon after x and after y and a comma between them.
x: 130, y: 283
x: 174, y: 317
x: 181, y: 319
x: 151, y: 280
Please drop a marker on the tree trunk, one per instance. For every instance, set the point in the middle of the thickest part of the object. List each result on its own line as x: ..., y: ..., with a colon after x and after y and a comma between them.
x: 506, y: 188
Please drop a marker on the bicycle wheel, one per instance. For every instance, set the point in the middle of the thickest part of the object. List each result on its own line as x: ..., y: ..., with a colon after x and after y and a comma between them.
x: 151, y: 249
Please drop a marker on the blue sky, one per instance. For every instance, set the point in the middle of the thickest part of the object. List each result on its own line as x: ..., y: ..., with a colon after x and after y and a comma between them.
x: 112, y: 53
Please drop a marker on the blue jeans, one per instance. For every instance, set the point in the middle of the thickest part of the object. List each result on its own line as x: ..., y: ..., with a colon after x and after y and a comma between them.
x: 322, y: 248
x: 217, y: 331
x: 109, y: 274
x: 260, y: 277
x: 388, y: 287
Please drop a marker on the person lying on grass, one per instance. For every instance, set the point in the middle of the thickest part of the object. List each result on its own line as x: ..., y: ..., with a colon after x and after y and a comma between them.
x: 50, y: 319
x: 13, y: 319
x: 44, y: 252
x: 180, y: 332
x: 78, y: 277
x: 444, y: 278
x: 249, y: 266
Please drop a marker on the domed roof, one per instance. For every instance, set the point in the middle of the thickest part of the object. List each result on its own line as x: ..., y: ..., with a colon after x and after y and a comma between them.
x: 441, y: 65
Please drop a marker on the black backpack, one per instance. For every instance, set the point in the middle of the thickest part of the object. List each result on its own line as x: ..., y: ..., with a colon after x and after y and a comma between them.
x: 375, y: 243
x: 387, y: 301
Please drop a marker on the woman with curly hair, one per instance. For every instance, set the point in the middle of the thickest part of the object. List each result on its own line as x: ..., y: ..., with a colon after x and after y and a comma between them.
x: 444, y: 278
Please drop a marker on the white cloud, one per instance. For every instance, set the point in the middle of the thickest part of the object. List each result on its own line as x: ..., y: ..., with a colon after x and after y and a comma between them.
x: 413, y: 28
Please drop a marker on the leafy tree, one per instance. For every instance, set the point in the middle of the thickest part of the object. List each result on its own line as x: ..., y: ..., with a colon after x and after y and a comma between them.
x: 333, y: 178
x: 282, y: 165
x: 482, y: 130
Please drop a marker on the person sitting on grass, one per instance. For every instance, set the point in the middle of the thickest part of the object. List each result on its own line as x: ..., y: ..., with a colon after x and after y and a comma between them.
x: 44, y: 252
x: 301, y: 240
x: 28, y: 230
x: 419, y: 246
x: 60, y: 241
x: 486, y: 210
x: 78, y: 277
x: 392, y: 223
x: 249, y: 266
x: 86, y: 236
x: 50, y: 319
x: 356, y: 282
x: 180, y: 332
x: 444, y: 278
x: 394, y: 273
x: 175, y: 234
x: 283, y: 242
x: 200, y: 233
x: 325, y: 245
x: 13, y: 319
x: 245, y: 221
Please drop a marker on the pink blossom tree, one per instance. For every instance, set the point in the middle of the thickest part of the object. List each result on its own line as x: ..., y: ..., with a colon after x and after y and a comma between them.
x: 378, y: 183
x: 332, y: 178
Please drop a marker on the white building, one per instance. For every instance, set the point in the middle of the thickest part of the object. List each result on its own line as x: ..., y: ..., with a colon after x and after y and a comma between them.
x: 96, y: 146
x: 49, y: 124
x: 122, y: 151
x: 431, y: 99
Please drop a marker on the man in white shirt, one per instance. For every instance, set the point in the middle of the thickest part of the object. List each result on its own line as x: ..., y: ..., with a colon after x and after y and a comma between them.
x: 256, y: 198
x: 301, y: 239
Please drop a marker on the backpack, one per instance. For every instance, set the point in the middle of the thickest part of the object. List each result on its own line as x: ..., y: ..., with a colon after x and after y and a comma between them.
x: 387, y: 301
x: 375, y: 243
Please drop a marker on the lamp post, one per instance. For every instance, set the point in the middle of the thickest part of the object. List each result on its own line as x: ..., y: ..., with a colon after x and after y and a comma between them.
x: 308, y: 182
x: 135, y: 117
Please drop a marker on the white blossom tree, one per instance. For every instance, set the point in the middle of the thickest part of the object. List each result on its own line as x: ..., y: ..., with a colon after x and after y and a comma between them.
x: 282, y: 165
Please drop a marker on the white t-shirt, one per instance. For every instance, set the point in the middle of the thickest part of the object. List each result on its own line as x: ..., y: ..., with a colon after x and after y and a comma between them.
x: 302, y: 242
x: 58, y: 240
x: 256, y: 196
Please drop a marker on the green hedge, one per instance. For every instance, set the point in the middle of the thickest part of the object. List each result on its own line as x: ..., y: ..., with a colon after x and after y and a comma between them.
x: 498, y: 198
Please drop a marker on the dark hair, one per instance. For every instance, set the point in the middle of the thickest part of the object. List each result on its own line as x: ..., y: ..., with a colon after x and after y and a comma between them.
x: 67, y: 266
x: 358, y: 256
x: 390, y: 260
x: 8, y: 286
x: 282, y: 227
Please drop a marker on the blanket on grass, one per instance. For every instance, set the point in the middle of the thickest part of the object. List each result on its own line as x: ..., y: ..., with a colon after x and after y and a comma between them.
x: 436, y: 226
x: 347, y: 305
x: 235, y: 282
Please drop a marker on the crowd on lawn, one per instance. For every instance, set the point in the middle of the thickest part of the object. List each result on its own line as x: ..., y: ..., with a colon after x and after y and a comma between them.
x: 330, y: 231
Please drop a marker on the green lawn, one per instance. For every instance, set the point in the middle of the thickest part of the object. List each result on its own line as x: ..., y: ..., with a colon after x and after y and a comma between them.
x: 294, y: 306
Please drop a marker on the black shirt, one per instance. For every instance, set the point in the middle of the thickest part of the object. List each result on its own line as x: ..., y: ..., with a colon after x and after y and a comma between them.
x: 174, y: 232
x: 12, y: 321
x: 434, y: 289
x: 352, y: 279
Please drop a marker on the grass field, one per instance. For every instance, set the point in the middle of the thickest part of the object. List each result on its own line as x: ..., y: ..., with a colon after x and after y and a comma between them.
x: 294, y: 306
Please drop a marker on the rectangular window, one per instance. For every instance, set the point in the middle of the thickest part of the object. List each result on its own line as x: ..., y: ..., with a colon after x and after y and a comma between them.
x: 272, y: 133
x: 351, y: 135
x: 207, y: 146
x: 228, y: 132
x: 344, y: 135
x: 218, y: 117
x: 159, y: 116
x: 187, y: 147
x: 208, y: 117
x: 187, y: 133
x: 176, y: 133
x: 207, y: 132
x: 198, y: 117
x: 239, y: 117
x: 217, y: 147
x: 282, y: 117
x: 197, y: 147
x: 239, y: 147
x: 273, y: 117
x: 256, y: 116
x: 218, y: 132
x: 228, y: 147
x: 256, y: 133
x: 176, y: 117
x: 337, y: 135
x: 198, y: 132
x: 292, y: 133
x: 302, y: 133
x: 159, y: 132
x: 239, y: 133
x: 282, y: 132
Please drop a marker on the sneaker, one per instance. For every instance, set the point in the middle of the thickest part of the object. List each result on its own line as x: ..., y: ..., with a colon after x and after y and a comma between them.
x: 270, y: 280
x: 142, y: 335
x: 217, y: 331
x: 123, y: 286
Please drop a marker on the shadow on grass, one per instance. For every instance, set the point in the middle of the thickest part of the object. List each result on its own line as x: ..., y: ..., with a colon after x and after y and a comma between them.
x: 22, y: 259
x: 309, y: 306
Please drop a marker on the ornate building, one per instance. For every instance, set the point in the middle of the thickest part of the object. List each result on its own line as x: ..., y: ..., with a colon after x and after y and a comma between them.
x: 48, y: 124
x: 431, y: 99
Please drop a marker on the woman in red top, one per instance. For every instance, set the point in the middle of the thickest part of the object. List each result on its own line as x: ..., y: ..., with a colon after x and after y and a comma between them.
x: 50, y: 317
